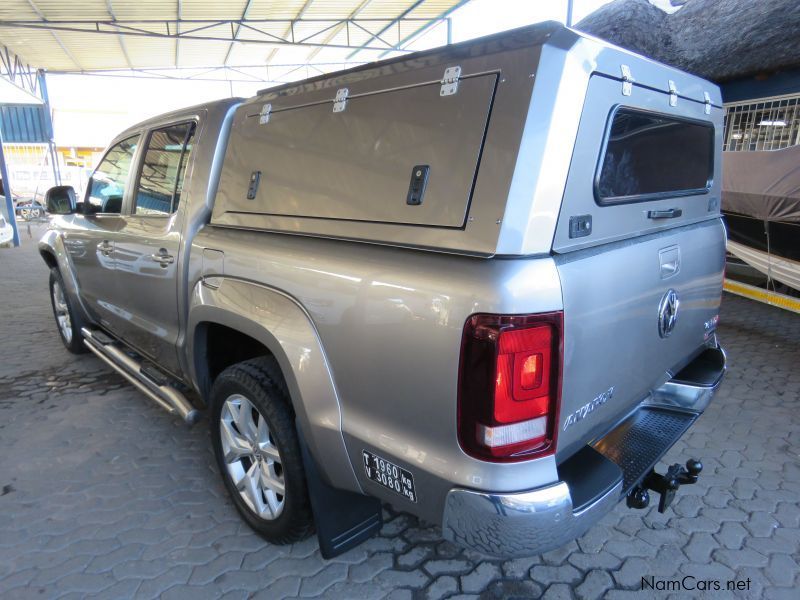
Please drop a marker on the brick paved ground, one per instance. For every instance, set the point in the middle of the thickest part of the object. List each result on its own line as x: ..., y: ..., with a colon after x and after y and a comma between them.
x: 102, y: 493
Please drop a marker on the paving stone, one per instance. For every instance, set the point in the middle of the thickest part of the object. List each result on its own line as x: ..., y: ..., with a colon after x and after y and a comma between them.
x: 414, y: 556
x: 125, y: 588
x: 740, y: 558
x: 366, y: 570
x: 505, y: 589
x: 442, y: 587
x: 700, y: 547
x: 558, y: 591
x: 545, y: 574
x: 481, y: 577
x: 206, y: 573
x: 176, y: 575
x: 519, y: 567
x: 285, y: 587
x: 396, y: 579
x: 438, y: 567
x: 317, y: 584
x: 731, y: 535
x: 134, y: 506
x: 782, y: 569
x: 601, y: 560
x: 596, y: 584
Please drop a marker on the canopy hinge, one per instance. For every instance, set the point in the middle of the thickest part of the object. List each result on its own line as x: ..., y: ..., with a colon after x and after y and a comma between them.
x: 340, y: 103
x: 263, y: 116
x: 450, y: 81
x: 627, y: 80
x: 673, y: 93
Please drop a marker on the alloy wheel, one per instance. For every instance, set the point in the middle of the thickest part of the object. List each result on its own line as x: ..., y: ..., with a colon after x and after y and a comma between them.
x: 252, y: 457
x: 62, y: 312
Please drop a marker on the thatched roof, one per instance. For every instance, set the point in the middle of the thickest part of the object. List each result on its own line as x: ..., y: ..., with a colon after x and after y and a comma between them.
x: 716, y: 39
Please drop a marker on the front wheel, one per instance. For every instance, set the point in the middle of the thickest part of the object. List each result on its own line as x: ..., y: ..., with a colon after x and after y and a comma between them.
x: 258, y: 452
x: 69, y: 323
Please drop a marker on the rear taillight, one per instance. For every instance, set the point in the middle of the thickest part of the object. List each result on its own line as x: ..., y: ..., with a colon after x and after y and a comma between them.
x: 509, y: 385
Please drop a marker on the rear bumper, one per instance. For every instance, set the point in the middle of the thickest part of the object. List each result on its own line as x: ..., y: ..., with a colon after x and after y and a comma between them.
x: 592, y: 481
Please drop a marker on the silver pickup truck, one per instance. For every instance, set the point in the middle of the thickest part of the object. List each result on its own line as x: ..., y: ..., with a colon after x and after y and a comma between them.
x: 479, y: 283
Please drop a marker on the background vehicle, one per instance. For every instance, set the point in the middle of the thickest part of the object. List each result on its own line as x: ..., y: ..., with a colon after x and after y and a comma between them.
x: 30, y: 210
x: 6, y: 232
x: 480, y: 283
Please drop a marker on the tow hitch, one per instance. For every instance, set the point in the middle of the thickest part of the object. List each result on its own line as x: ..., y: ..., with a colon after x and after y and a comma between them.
x: 666, y: 485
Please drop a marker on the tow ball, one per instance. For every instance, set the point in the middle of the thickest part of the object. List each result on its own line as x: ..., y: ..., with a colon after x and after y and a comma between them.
x: 665, y: 485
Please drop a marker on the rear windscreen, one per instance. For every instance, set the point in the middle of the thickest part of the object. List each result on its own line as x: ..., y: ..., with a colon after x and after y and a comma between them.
x: 650, y: 155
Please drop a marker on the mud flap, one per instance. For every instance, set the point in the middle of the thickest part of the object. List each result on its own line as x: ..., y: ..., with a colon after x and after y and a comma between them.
x: 343, y: 519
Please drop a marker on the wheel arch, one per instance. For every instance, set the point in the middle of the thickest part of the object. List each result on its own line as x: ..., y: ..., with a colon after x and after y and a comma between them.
x: 55, y: 255
x: 264, y: 320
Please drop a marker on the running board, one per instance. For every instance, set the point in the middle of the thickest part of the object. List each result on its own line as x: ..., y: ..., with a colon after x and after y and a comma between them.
x: 167, y: 397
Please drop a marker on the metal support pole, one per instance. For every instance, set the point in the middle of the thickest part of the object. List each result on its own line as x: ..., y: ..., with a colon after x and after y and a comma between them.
x: 569, y: 13
x: 449, y: 31
x: 12, y: 217
x: 48, y: 125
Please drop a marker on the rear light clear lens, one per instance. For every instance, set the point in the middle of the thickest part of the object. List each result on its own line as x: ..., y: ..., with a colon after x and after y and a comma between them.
x: 509, y: 383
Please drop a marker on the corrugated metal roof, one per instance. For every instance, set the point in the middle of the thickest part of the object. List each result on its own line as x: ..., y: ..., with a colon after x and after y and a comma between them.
x: 22, y: 123
x: 93, y: 35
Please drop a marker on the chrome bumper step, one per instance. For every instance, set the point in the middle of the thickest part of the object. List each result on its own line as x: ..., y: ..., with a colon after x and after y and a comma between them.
x: 166, y: 396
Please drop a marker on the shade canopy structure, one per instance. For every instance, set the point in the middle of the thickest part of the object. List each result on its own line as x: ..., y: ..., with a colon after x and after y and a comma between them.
x: 716, y: 39
x: 239, y: 37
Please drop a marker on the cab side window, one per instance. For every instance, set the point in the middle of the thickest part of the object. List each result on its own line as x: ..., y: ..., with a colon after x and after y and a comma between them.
x: 107, y: 184
x: 160, y: 184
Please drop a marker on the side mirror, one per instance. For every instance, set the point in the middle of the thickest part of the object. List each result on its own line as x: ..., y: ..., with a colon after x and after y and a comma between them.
x: 61, y: 200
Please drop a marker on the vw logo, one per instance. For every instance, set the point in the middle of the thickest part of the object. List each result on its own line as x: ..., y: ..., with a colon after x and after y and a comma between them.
x: 668, y: 313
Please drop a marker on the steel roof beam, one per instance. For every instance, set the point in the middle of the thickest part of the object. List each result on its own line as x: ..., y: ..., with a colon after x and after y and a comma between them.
x: 169, y: 30
x: 357, y: 11
x: 18, y: 73
x: 69, y: 54
x: 238, y: 29
x: 110, y: 10
x: 394, y: 22
x: 442, y: 17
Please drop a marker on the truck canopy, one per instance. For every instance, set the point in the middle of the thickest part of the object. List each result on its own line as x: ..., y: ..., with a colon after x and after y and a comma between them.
x: 470, y: 148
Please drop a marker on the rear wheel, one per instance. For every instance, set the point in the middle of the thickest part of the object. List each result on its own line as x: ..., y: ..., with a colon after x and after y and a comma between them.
x: 258, y: 452
x: 68, y: 321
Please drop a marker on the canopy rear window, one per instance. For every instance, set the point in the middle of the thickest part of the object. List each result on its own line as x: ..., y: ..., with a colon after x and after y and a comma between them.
x: 649, y: 155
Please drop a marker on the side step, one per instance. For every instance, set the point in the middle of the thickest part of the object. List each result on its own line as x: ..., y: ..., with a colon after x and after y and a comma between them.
x: 166, y: 396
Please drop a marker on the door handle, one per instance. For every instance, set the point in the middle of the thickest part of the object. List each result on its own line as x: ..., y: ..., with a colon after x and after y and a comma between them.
x: 163, y: 258
x: 669, y: 213
x: 105, y: 247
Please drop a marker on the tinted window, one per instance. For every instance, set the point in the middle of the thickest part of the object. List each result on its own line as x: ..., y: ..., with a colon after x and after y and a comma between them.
x: 650, y: 155
x: 161, y: 180
x: 107, y: 185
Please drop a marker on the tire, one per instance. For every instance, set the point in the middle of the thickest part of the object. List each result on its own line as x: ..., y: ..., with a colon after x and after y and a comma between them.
x: 257, y: 464
x: 67, y: 320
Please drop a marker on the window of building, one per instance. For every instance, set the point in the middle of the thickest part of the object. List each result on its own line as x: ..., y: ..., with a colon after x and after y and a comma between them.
x: 161, y: 180
x: 649, y: 155
x: 769, y: 124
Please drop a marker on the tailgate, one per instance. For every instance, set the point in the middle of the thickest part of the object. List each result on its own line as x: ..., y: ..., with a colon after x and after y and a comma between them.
x: 614, y: 350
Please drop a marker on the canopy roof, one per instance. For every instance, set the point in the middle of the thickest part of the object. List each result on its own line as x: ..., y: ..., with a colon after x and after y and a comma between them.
x: 98, y: 35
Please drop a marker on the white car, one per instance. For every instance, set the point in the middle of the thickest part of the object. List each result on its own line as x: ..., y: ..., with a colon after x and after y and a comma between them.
x: 6, y: 231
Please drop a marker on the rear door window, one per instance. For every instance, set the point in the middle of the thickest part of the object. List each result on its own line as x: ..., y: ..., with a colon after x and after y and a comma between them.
x: 163, y: 169
x: 650, y: 155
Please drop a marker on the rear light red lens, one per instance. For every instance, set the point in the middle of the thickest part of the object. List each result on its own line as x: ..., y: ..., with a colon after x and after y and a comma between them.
x: 509, y: 385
